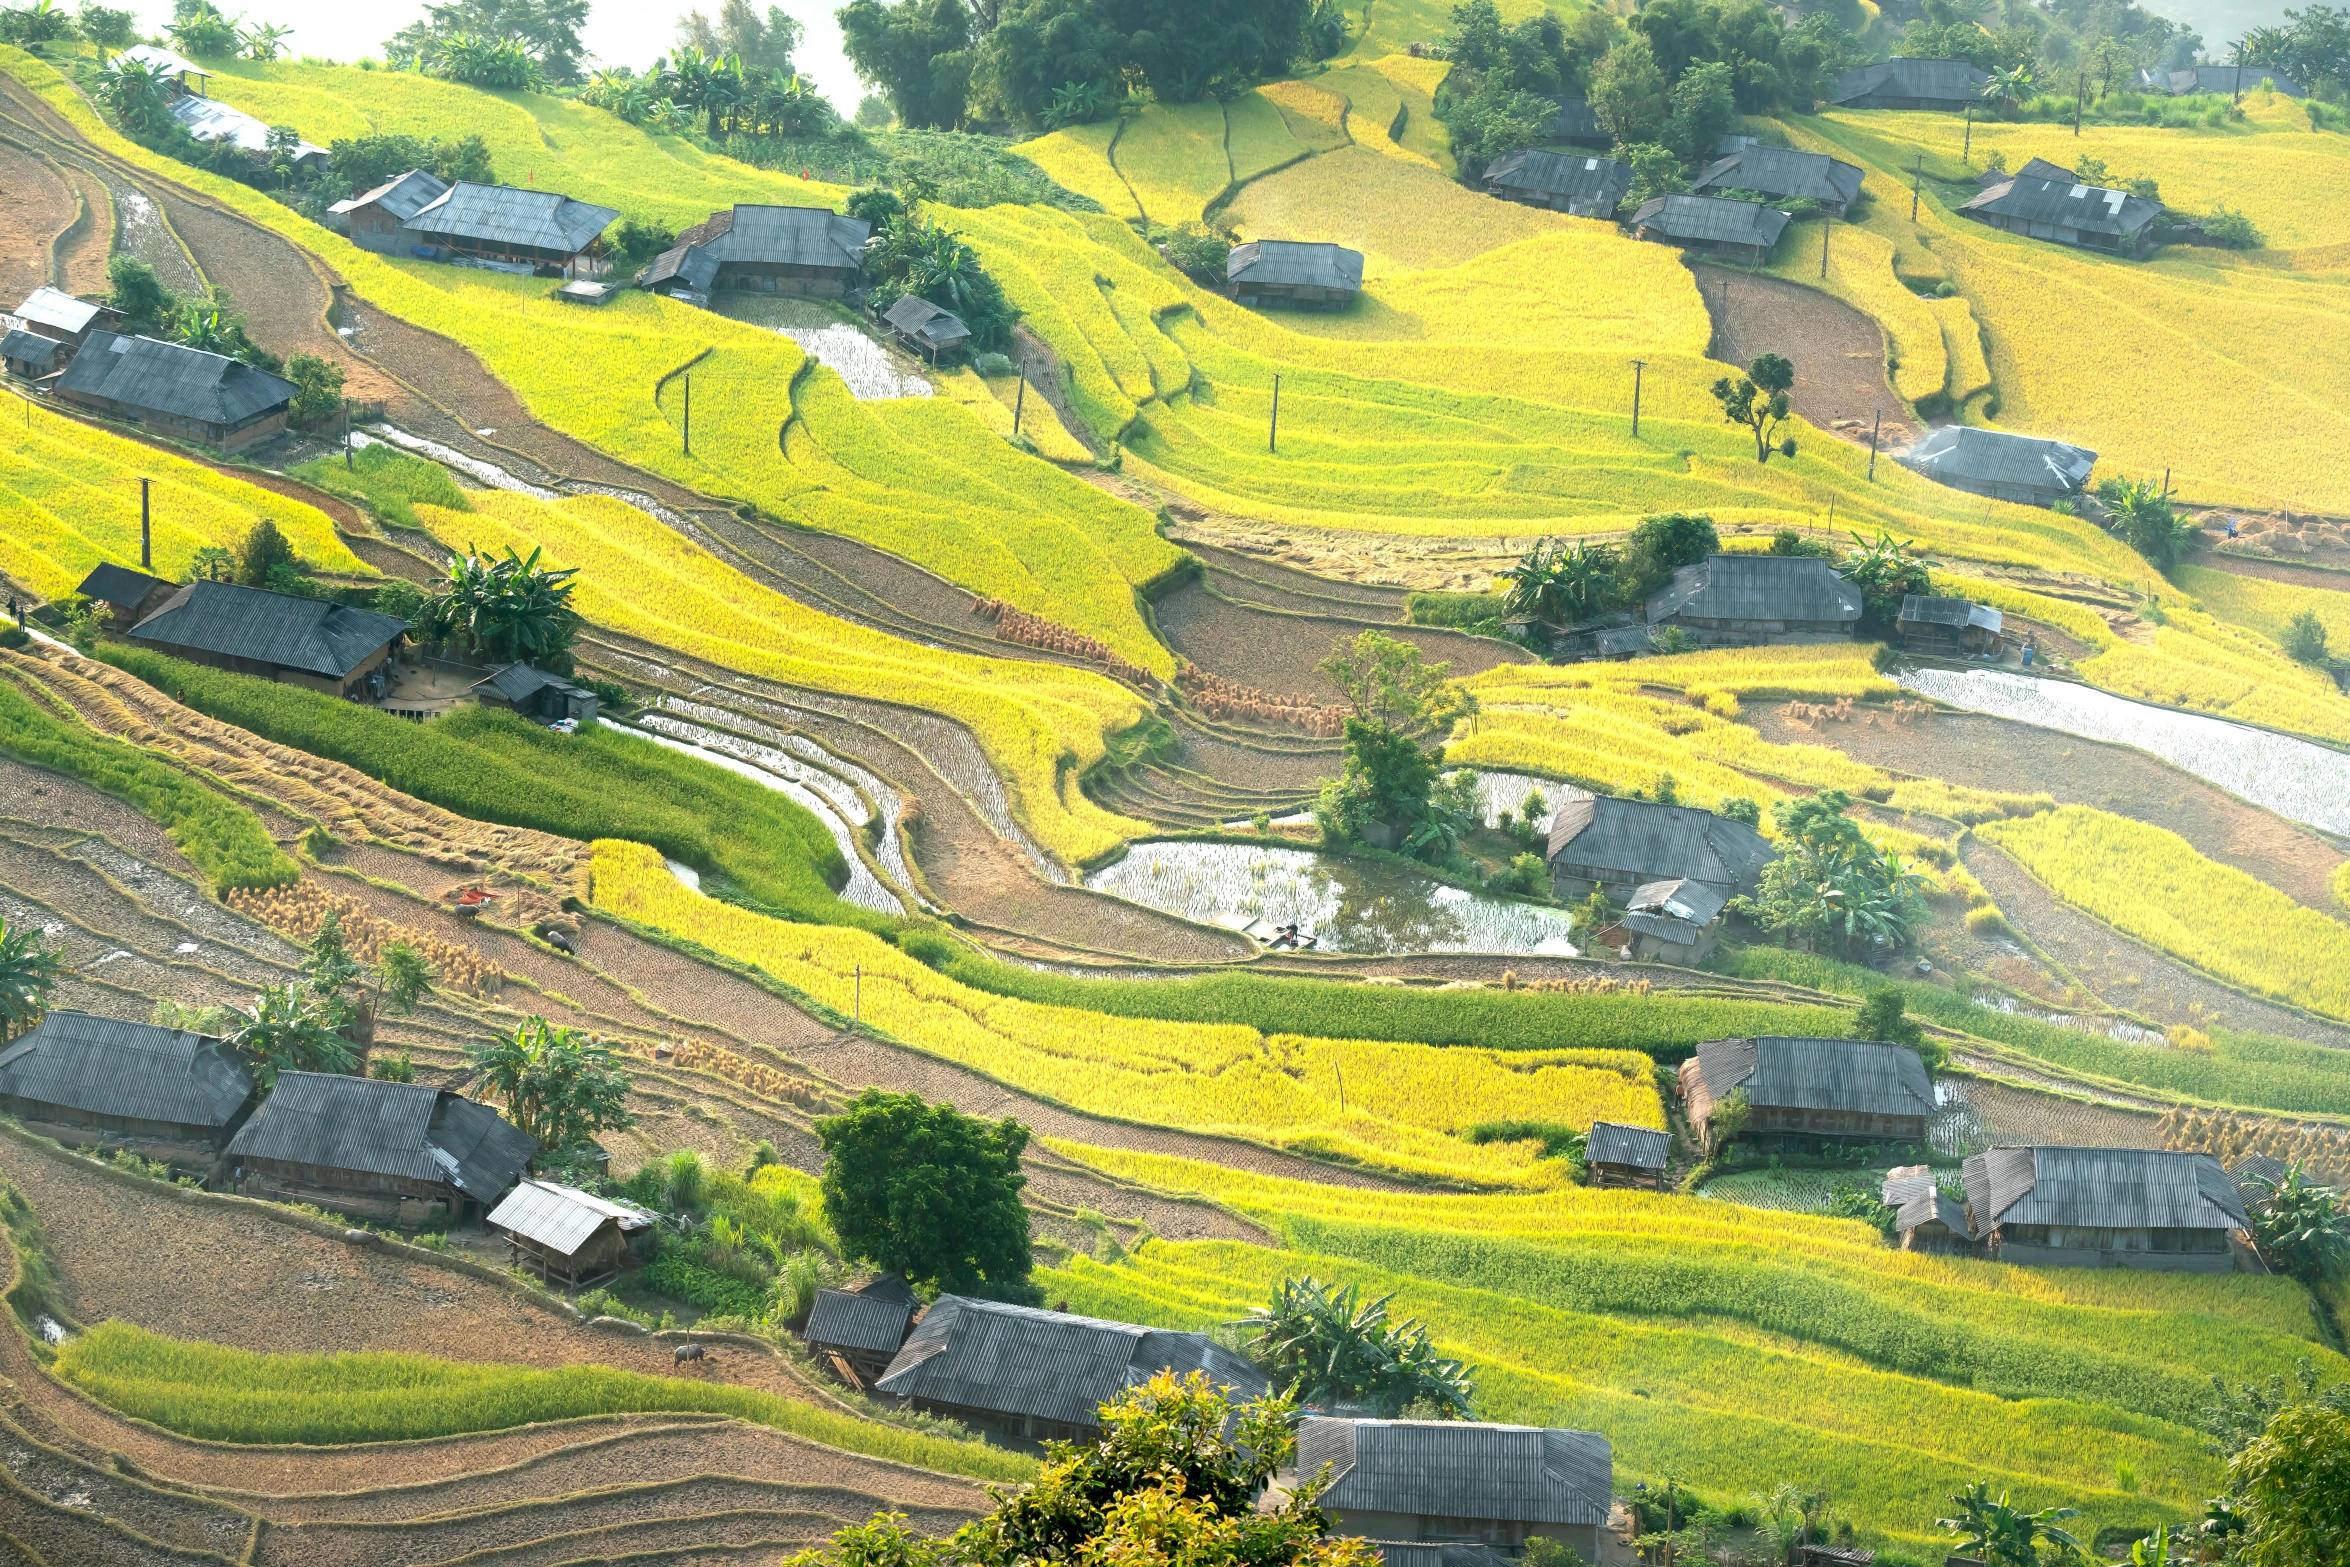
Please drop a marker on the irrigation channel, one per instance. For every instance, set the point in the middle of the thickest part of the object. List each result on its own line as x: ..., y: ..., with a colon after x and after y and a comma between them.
x: 2298, y: 779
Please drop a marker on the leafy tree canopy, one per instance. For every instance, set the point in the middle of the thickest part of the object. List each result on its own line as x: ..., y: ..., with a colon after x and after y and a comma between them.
x: 468, y: 35
x: 558, y: 1085
x: 2142, y: 516
x: 1326, y: 1347
x: 1830, y: 883
x: 2301, y: 1224
x: 928, y: 1192
x: 28, y: 973
x: 507, y: 609
x: 1758, y: 400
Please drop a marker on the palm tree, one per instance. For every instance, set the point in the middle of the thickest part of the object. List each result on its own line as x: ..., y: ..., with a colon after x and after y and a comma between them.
x: 28, y: 972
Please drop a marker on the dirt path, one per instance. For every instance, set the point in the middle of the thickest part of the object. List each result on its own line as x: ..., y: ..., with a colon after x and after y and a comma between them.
x: 1276, y: 649
x: 1839, y: 353
x: 1983, y: 752
x: 2127, y: 975
x: 36, y: 206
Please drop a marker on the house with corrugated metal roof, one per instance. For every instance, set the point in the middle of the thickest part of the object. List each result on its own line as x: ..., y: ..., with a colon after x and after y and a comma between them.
x: 61, y: 317
x: 1952, y: 627
x: 2232, y: 81
x: 535, y: 694
x: 168, y: 1093
x: 32, y: 356
x: 1460, y: 1481
x: 1783, y: 174
x: 2105, y: 1207
x: 2027, y: 469
x: 373, y: 219
x: 1031, y: 1375
x: 1676, y: 921
x: 544, y: 231
x: 181, y: 72
x: 131, y: 596
x: 1926, y: 1218
x: 1617, y: 846
x: 861, y: 1328
x: 1295, y: 272
x: 1750, y: 600
x: 926, y: 328
x: 567, y: 1236
x: 1585, y: 185
x: 1739, y: 230
x: 1621, y: 1155
x: 812, y: 252
x: 1574, y: 122
x: 1942, y: 86
x: 300, y: 641
x: 2068, y: 212
x: 364, y: 1146
x: 1802, y: 1089
x: 177, y: 391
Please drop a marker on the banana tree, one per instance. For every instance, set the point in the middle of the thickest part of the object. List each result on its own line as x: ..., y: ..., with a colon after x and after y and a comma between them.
x: 28, y: 972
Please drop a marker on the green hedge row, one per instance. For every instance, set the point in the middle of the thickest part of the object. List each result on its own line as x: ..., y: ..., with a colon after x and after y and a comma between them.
x: 495, y: 766
x: 223, y: 839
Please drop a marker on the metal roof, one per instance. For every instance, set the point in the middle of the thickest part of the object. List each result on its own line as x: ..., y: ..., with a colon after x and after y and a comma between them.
x: 2101, y: 1188
x: 1857, y: 1076
x: 1459, y: 1469
x: 2040, y: 169
x: 1966, y: 452
x: 2226, y: 79
x: 403, y: 195
x: 1711, y: 218
x: 1574, y: 121
x: 1782, y: 172
x: 166, y: 378
x: 1295, y: 263
x: 119, y: 585
x: 1951, y: 81
x: 874, y: 1322
x: 1612, y: 1142
x: 782, y: 236
x: 2250, y: 1171
x: 31, y: 347
x: 915, y: 315
x: 311, y: 635
x: 696, y: 266
x: 1640, y: 838
x: 562, y: 1218
x: 1677, y: 911
x: 163, y: 60
x: 1758, y: 587
x: 1923, y: 609
x: 412, y: 1131
x: 210, y: 120
x: 1572, y: 175
x: 2066, y: 203
x: 54, y: 307
x: 1015, y: 1360
x: 502, y: 215
x: 135, y: 1071
x: 518, y: 682
x: 1917, y: 1200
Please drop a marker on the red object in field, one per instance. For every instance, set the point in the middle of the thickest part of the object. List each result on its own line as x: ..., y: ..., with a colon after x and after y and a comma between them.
x: 803, y: 174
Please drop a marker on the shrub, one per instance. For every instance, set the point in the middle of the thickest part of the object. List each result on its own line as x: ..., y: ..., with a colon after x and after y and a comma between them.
x: 1986, y: 921
x: 715, y: 1293
x: 2231, y: 228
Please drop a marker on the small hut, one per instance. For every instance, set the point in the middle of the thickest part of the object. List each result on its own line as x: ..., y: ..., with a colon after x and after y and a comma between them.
x: 536, y: 694
x: 1739, y: 230
x: 925, y: 328
x: 860, y: 1329
x: 2149, y: 1208
x: 1757, y: 600
x: 1620, y: 1155
x: 1953, y: 627
x: 32, y: 356
x: 566, y: 1236
x: 131, y: 595
x: 1585, y: 185
x: 1317, y: 274
x: 1669, y: 921
x: 2001, y: 464
x: 1924, y: 1217
x: 1459, y: 1481
x: 1857, y: 1090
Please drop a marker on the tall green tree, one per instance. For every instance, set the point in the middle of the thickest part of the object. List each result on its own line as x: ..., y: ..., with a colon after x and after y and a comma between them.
x: 2293, y: 1487
x: 1326, y: 1346
x: 1561, y: 583
x: 1628, y: 93
x: 28, y: 974
x: 1403, y: 706
x: 2305, y: 638
x: 1758, y: 401
x: 557, y: 1085
x: 1659, y: 546
x: 927, y: 1192
x: 1830, y: 883
x: 918, y: 52
x: 294, y: 1028
x: 133, y: 289
x: 265, y: 556
x: 547, y: 32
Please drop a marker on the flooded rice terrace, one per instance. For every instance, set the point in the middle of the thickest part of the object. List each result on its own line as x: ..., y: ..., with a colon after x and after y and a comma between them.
x: 2295, y: 778
x: 860, y: 361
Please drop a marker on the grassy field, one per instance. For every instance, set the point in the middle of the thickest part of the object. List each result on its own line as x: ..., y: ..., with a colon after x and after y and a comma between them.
x: 218, y: 1394
x: 2234, y: 428
x: 1404, y: 1105
x: 69, y: 501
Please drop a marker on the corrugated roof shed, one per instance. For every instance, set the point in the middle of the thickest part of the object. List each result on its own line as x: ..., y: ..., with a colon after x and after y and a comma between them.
x: 403, y: 195
x: 1574, y: 121
x: 502, y: 215
x: 2066, y: 203
x: 210, y: 120
x: 1711, y: 220
x: 782, y: 236
x: 166, y: 378
x: 1917, y: 1200
x: 562, y: 1218
x: 913, y: 314
x: 1641, y: 1147
x: 2042, y: 169
x: 1923, y: 609
x: 54, y: 307
x: 119, y: 585
x: 1965, y: 451
x: 1459, y: 1469
x: 31, y: 348
x: 1014, y: 1360
x: 1641, y: 837
x: 1949, y: 80
x: 1295, y: 263
x: 2101, y: 1188
x: 520, y: 682
x: 163, y: 59
x: 1568, y: 176
x: 1677, y: 911
x: 696, y: 266
x: 410, y: 1131
x: 2231, y: 79
x: 1784, y: 173
x: 2251, y: 1171
x: 136, y: 1071
x: 1759, y: 587
x: 872, y: 1322
x: 1856, y: 1076
x: 292, y: 632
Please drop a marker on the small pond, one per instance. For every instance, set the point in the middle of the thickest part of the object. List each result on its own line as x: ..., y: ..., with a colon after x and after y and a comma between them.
x: 1367, y: 907
x: 2294, y: 778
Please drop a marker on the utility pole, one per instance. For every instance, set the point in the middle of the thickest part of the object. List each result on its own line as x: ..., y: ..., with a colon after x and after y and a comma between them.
x: 2080, y: 91
x: 1019, y: 402
x: 1273, y: 430
x: 857, y: 999
x: 2239, y: 93
x: 689, y: 414
x: 347, y: 463
x: 1917, y: 183
x: 1638, y: 365
x: 1966, y: 154
x: 1827, y: 222
x: 2166, y: 484
x: 1876, y: 419
x: 146, y: 528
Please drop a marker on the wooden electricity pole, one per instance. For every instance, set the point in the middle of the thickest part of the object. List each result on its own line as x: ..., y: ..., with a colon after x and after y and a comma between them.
x: 1638, y: 365
x: 1875, y: 420
x: 1273, y: 430
x: 1966, y: 154
x: 1827, y: 222
x: 1019, y: 402
x: 689, y: 414
x: 146, y: 528
x: 1916, y: 183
